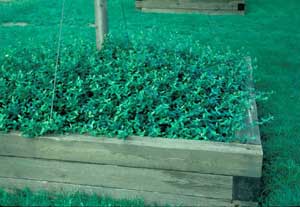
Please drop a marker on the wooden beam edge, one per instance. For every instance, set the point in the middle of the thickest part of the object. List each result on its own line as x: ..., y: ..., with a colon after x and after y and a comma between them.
x: 111, y: 176
x: 224, y: 8
x: 149, y: 198
x: 160, y: 143
x: 186, y: 11
x: 201, y: 157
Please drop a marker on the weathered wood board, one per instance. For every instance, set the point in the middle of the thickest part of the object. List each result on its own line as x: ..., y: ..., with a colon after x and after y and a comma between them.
x: 160, y: 198
x: 192, y: 6
x: 111, y: 176
x: 156, y: 153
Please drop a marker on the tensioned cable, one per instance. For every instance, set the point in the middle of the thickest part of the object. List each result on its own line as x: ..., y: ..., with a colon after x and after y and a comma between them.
x: 57, y: 57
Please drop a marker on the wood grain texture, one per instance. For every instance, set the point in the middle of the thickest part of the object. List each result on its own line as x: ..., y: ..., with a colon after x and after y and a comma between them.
x: 140, y: 179
x: 101, y: 21
x: 154, y: 153
x: 213, y: 6
x: 149, y: 197
x: 189, y: 4
x: 190, y: 11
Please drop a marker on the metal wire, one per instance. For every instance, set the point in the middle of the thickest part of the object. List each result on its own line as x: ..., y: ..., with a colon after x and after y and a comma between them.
x: 57, y: 57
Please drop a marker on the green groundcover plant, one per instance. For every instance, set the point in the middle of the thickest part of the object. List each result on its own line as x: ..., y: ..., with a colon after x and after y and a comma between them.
x: 128, y: 88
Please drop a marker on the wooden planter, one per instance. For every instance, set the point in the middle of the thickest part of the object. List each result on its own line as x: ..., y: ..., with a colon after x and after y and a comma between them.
x: 180, y: 172
x: 162, y: 171
x: 192, y: 6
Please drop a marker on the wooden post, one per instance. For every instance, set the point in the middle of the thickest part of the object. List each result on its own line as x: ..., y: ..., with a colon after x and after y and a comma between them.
x: 100, y: 22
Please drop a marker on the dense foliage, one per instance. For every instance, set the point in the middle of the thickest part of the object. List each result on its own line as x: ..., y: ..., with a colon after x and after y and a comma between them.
x: 126, y: 89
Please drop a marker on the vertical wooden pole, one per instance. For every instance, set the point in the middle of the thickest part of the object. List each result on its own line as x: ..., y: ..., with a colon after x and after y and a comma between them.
x: 100, y: 22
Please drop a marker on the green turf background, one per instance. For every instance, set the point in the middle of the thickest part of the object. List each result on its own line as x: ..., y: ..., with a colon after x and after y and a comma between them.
x: 270, y: 31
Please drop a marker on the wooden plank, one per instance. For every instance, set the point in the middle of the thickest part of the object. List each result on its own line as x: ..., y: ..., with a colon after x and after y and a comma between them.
x: 140, y: 179
x: 251, y: 119
x: 216, y: 7
x: 189, y: 11
x: 252, y: 131
x: 101, y: 24
x: 149, y: 198
x: 157, y: 153
x: 255, y: 131
x: 189, y: 4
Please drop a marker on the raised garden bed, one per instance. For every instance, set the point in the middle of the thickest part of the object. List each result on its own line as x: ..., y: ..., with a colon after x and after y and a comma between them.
x: 192, y: 6
x: 167, y: 171
x: 179, y: 172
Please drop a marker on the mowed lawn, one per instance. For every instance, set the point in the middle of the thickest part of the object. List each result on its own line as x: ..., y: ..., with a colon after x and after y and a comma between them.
x: 270, y: 31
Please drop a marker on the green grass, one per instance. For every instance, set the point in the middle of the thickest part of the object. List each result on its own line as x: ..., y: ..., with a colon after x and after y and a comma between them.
x: 42, y: 198
x: 269, y: 31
